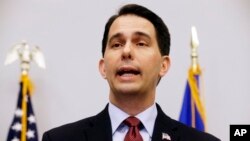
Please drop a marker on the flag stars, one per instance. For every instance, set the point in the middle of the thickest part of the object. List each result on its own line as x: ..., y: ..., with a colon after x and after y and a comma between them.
x: 15, y: 139
x: 17, y: 127
x: 18, y: 112
x: 31, y: 119
x: 30, y: 134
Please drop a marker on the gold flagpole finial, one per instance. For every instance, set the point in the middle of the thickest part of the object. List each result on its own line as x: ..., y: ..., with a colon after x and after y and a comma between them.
x: 194, y: 49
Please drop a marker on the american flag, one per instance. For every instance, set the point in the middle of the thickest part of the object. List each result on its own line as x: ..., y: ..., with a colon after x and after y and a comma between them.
x: 23, y: 127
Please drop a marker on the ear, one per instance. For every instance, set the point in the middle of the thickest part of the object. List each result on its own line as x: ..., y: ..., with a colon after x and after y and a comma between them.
x: 102, y: 68
x: 165, y: 65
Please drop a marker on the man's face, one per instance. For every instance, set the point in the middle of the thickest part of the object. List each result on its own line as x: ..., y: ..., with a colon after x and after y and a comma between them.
x: 132, y: 63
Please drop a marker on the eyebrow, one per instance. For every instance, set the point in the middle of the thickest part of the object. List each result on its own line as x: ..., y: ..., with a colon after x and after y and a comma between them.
x: 137, y: 33
x: 117, y: 35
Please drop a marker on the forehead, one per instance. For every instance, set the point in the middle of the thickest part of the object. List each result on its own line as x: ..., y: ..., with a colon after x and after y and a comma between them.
x: 130, y: 24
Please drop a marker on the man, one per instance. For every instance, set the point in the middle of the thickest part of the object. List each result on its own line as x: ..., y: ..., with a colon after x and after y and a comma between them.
x: 135, y: 51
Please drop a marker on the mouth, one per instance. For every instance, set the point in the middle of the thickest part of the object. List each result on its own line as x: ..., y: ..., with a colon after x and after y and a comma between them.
x: 128, y: 71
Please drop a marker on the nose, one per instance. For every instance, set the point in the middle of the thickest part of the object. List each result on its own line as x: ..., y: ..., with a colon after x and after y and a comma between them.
x: 127, y: 51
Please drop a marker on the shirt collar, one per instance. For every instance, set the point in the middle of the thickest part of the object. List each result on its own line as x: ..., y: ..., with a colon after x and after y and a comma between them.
x: 147, y: 117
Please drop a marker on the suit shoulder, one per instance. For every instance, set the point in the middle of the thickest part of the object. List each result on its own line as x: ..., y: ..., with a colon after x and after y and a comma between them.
x: 69, y: 131
x: 77, y: 131
x: 190, y: 133
x: 83, y: 123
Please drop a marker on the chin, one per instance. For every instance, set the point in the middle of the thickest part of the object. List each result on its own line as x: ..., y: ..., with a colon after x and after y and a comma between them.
x: 128, y: 90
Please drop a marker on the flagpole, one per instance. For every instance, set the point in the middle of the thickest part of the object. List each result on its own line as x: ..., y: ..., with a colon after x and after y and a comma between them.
x: 194, y: 49
x: 195, y: 71
x: 25, y: 67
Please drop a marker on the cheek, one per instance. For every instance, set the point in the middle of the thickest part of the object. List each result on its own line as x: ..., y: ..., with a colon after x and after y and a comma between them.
x: 152, y: 64
x: 109, y: 66
x: 150, y: 59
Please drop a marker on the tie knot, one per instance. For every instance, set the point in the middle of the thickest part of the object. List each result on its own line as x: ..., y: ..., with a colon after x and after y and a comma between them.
x: 132, y: 121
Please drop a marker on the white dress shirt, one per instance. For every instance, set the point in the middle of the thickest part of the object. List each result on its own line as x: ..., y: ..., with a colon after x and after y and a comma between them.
x: 119, y: 130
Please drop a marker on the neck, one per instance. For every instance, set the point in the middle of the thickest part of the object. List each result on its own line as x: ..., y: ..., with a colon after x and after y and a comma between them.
x: 132, y: 104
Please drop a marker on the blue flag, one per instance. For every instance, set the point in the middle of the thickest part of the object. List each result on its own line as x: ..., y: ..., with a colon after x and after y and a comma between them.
x: 23, y: 127
x: 193, y: 111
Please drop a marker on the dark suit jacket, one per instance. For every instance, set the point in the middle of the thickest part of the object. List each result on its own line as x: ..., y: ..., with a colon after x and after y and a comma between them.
x: 98, y: 128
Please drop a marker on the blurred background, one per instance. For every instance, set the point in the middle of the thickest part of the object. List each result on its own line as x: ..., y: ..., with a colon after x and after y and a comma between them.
x: 70, y: 32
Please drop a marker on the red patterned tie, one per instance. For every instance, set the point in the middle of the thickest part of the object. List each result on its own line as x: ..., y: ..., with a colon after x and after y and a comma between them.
x: 133, y: 132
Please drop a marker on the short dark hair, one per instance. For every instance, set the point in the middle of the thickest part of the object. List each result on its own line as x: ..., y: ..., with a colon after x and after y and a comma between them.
x: 162, y: 33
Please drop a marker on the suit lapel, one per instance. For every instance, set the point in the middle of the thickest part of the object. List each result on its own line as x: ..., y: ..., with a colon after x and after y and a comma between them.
x: 100, y: 128
x: 164, y: 127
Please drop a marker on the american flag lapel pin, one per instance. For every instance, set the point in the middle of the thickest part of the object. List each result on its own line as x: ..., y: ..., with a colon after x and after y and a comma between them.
x: 166, y: 137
